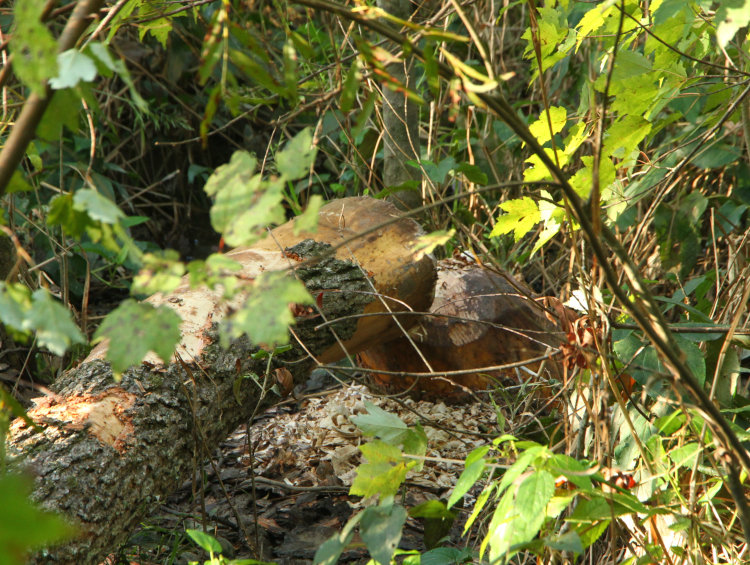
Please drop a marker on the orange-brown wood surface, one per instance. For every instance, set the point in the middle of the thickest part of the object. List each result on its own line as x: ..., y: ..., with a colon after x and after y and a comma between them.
x: 479, y: 319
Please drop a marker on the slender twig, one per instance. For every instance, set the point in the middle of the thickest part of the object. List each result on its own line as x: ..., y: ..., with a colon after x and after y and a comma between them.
x: 595, y: 197
x: 639, y: 302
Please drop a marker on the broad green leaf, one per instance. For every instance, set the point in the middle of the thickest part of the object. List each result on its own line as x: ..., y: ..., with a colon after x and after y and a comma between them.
x: 525, y: 459
x: 255, y: 69
x: 473, y: 469
x: 23, y: 526
x: 63, y: 213
x: 108, y: 65
x: 572, y: 469
x: 521, y: 515
x: 391, y: 429
x: 72, y: 67
x: 63, y: 111
x: 431, y: 509
x: 592, y: 21
x: 553, y: 32
x: 479, y: 505
x: 446, y: 556
x: 717, y: 156
x: 711, y: 491
x: 732, y: 15
x: 552, y: 217
x: 381, y: 528
x: 240, y: 169
x: 205, y: 541
x: 605, y: 507
x: 686, y: 455
x: 629, y: 64
x: 33, y: 47
x: 135, y: 328
x: 377, y: 422
x: 472, y: 173
x: 415, y: 443
x: 624, y: 135
x: 362, y: 120
x: 645, y: 362
x: 438, y: 173
x: 500, y: 528
x: 161, y: 272
x: 52, y: 322
x: 590, y: 519
x: 265, y: 317
x: 541, y: 128
x: 531, y: 501
x: 216, y: 269
x: 102, y: 54
x: 694, y: 357
x: 159, y: 27
x: 521, y: 215
x: 15, y: 302
x: 329, y: 552
x: 569, y: 541
x: 431, y: 68
x: 18, y: 183
x: 295, y: 160
x: 635, y: 94
x: 244, y: 204
x: 383, y: 473
x: 590, y: 533
x: 537, y: 170
x: 576, y: 136
x: 97, y: 206
x: 582, y: 180
x: 307, y: 221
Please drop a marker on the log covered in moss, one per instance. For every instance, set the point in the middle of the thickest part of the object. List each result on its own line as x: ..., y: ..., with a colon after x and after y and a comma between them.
x: 109, y: 450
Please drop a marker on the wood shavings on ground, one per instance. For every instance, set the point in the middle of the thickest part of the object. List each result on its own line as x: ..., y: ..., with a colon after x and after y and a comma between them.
x: 278, y: 490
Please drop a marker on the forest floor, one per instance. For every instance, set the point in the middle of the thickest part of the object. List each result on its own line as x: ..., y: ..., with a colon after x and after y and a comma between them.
x: 278, y: 490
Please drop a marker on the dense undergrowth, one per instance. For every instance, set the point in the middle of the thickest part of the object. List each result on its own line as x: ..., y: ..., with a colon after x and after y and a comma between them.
x: 617, y: 179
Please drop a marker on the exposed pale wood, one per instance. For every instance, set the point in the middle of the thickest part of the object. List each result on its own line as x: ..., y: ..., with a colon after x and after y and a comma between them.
x: 479, y: 319
x: 109, y: 450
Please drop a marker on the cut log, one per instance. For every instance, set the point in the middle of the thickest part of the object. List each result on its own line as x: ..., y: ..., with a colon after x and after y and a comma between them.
x: 479, y: 319
x: 108, y: 450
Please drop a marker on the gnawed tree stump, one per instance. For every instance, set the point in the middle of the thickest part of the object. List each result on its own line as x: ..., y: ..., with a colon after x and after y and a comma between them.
x: 479, y: 319
x: 109, y: 450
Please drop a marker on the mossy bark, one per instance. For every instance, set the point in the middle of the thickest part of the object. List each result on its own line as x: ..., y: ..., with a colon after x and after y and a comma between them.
x: 108, y: 451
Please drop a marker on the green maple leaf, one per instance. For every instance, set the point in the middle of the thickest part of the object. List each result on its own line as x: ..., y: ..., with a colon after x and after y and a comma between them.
x: 134, y: 329
x: 54, y: 327
x: 266, y: 316
x: 521, y: 215
x: 384, y: 471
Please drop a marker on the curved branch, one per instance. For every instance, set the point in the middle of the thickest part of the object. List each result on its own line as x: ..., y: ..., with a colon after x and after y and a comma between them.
x: 641, y: 304
x: 33, y: 110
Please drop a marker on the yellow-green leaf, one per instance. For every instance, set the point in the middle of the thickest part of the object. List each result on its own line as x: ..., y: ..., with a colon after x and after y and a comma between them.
x: 521, y: 215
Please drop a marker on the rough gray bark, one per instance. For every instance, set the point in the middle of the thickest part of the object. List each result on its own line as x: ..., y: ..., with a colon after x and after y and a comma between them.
x: 400, y: 122
x: 108, y: 451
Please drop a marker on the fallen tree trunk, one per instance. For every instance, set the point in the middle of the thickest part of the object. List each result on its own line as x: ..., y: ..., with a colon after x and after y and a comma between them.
x: 108, y: 450
x: 479, y: 321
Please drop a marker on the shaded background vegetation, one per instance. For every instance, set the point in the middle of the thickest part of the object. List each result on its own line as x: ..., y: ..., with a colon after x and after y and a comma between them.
x: 207, y: 78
